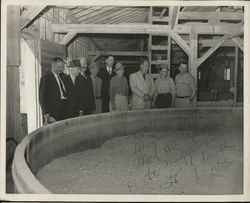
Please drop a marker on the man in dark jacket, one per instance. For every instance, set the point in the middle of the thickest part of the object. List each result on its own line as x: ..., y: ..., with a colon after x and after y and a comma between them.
x: 106, y: 74
x: 85, y: 91
x: 70, y: 83
x: 52, y: 93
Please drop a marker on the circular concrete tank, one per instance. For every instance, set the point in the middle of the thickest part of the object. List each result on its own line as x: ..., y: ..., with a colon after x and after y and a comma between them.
x: 78, y: 134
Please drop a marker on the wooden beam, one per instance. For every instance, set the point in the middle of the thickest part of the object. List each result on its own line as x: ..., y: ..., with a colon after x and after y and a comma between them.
x: 28, y: 17
x: 238, y: 42
x: 96, y: 57
x: 130, y: 15
x: 158, y: 19
x: 96, y: 45
x: 143, y: 28
x: 117, y: 53
x: 94, y: 13
x: 68, y: 37
x: 193, y: 59
x: 159, y: 47
x: 236, y: 64
x: 112, y: 15
x: 211, y: 42
x: 162, y: 13
x: 174, y: 14
x: 183, y: 45
x: 169, y: 48
x: 125, y: 62
x: 159, y: 62
x: 150, y: 14
x: 185, y: 15
x: 212, y: 49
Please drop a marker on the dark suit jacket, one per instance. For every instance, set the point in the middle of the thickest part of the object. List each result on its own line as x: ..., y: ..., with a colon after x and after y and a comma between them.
x: 106, y: 77
x: 86, y: 101
x: 72, y: 96
x: 49, y: 95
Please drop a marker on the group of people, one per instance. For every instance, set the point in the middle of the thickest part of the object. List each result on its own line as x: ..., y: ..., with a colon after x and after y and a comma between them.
x: 65, y: 96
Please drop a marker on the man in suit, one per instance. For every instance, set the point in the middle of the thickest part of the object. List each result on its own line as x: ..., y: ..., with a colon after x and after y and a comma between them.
x: 70, y: 83
x: 142, y: 86
x: 52, y: 93
x: 106, y: 74
x: 85, y: 92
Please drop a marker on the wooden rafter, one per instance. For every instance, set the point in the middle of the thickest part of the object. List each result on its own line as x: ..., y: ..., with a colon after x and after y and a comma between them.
x: 162, y: 13
x: 185, y: 15
x: 212, y: 49
x: 85, y: 11
x: 31, y: 15
x: 138, y: 19
x: 94, y: 13
x: 68, y: 37
x: 182, y: 44
x: 129, y: 15
x: 239, y: 43
x: 142, y: 28
x: 158, y: 19
x: 117, y: 53
x: 111, y: 15
x: 174, y: 14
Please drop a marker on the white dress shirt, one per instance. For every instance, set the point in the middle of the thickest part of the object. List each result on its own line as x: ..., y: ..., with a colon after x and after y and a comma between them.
x: 57, y: 80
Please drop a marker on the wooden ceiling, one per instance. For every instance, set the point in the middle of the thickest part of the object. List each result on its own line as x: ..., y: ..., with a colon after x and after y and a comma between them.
x: 108, y: 14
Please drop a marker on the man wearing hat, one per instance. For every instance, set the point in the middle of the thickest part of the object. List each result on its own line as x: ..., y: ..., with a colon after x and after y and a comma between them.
x: 70, y: 83
x: 119, y: 90
x: 85, y: 91
x: 52, y: 93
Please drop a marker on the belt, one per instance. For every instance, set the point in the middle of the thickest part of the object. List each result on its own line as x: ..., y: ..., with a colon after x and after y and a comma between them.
x: 164, y: 94
x: 183, y: 97
x: 120, y: 94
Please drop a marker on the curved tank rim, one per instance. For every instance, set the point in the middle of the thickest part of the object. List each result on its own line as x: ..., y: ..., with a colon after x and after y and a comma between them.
x: 26, y: 173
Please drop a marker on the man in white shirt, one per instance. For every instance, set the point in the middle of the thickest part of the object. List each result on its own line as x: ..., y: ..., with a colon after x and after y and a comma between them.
x: 52, y: 93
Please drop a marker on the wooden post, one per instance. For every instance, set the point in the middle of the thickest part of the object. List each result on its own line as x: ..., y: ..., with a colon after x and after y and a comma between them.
x: 193, y: 59
x: 236, y: 62
x: 150, y: 14
x: 169, y: 54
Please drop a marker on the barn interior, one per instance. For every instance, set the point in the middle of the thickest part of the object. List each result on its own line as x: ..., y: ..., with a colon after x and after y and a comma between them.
x: 204, y: 36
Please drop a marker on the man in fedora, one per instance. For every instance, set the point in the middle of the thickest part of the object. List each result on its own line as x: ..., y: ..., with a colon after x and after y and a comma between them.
x: 70, y: 82
x: 52, y: 93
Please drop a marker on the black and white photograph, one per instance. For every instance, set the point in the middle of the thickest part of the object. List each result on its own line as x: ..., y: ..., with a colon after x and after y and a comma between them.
x: 121, y: 98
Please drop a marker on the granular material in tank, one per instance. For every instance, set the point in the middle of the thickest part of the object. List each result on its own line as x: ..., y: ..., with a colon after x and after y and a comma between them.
x: 184, y: 162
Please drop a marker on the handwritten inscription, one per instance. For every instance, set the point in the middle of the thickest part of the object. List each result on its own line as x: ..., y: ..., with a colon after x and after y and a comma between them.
x: 198, y: 153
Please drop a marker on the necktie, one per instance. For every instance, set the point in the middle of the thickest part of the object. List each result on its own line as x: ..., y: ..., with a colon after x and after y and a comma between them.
x: 61, y: 86
x: 110, y: 71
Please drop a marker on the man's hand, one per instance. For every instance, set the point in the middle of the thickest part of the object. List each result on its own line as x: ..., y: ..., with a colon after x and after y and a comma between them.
x: 48, y: 119
x: 52, y: 120
x: 146, y: 97
x: 172, y: 105
x: 113, y: 107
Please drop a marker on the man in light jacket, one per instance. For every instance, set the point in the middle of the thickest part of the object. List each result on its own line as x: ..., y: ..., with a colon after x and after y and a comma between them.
x: 142, y: 86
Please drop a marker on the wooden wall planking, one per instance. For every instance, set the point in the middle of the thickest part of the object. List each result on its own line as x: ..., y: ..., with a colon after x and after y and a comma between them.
x: 13, y: 115
x: 13, y: 35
